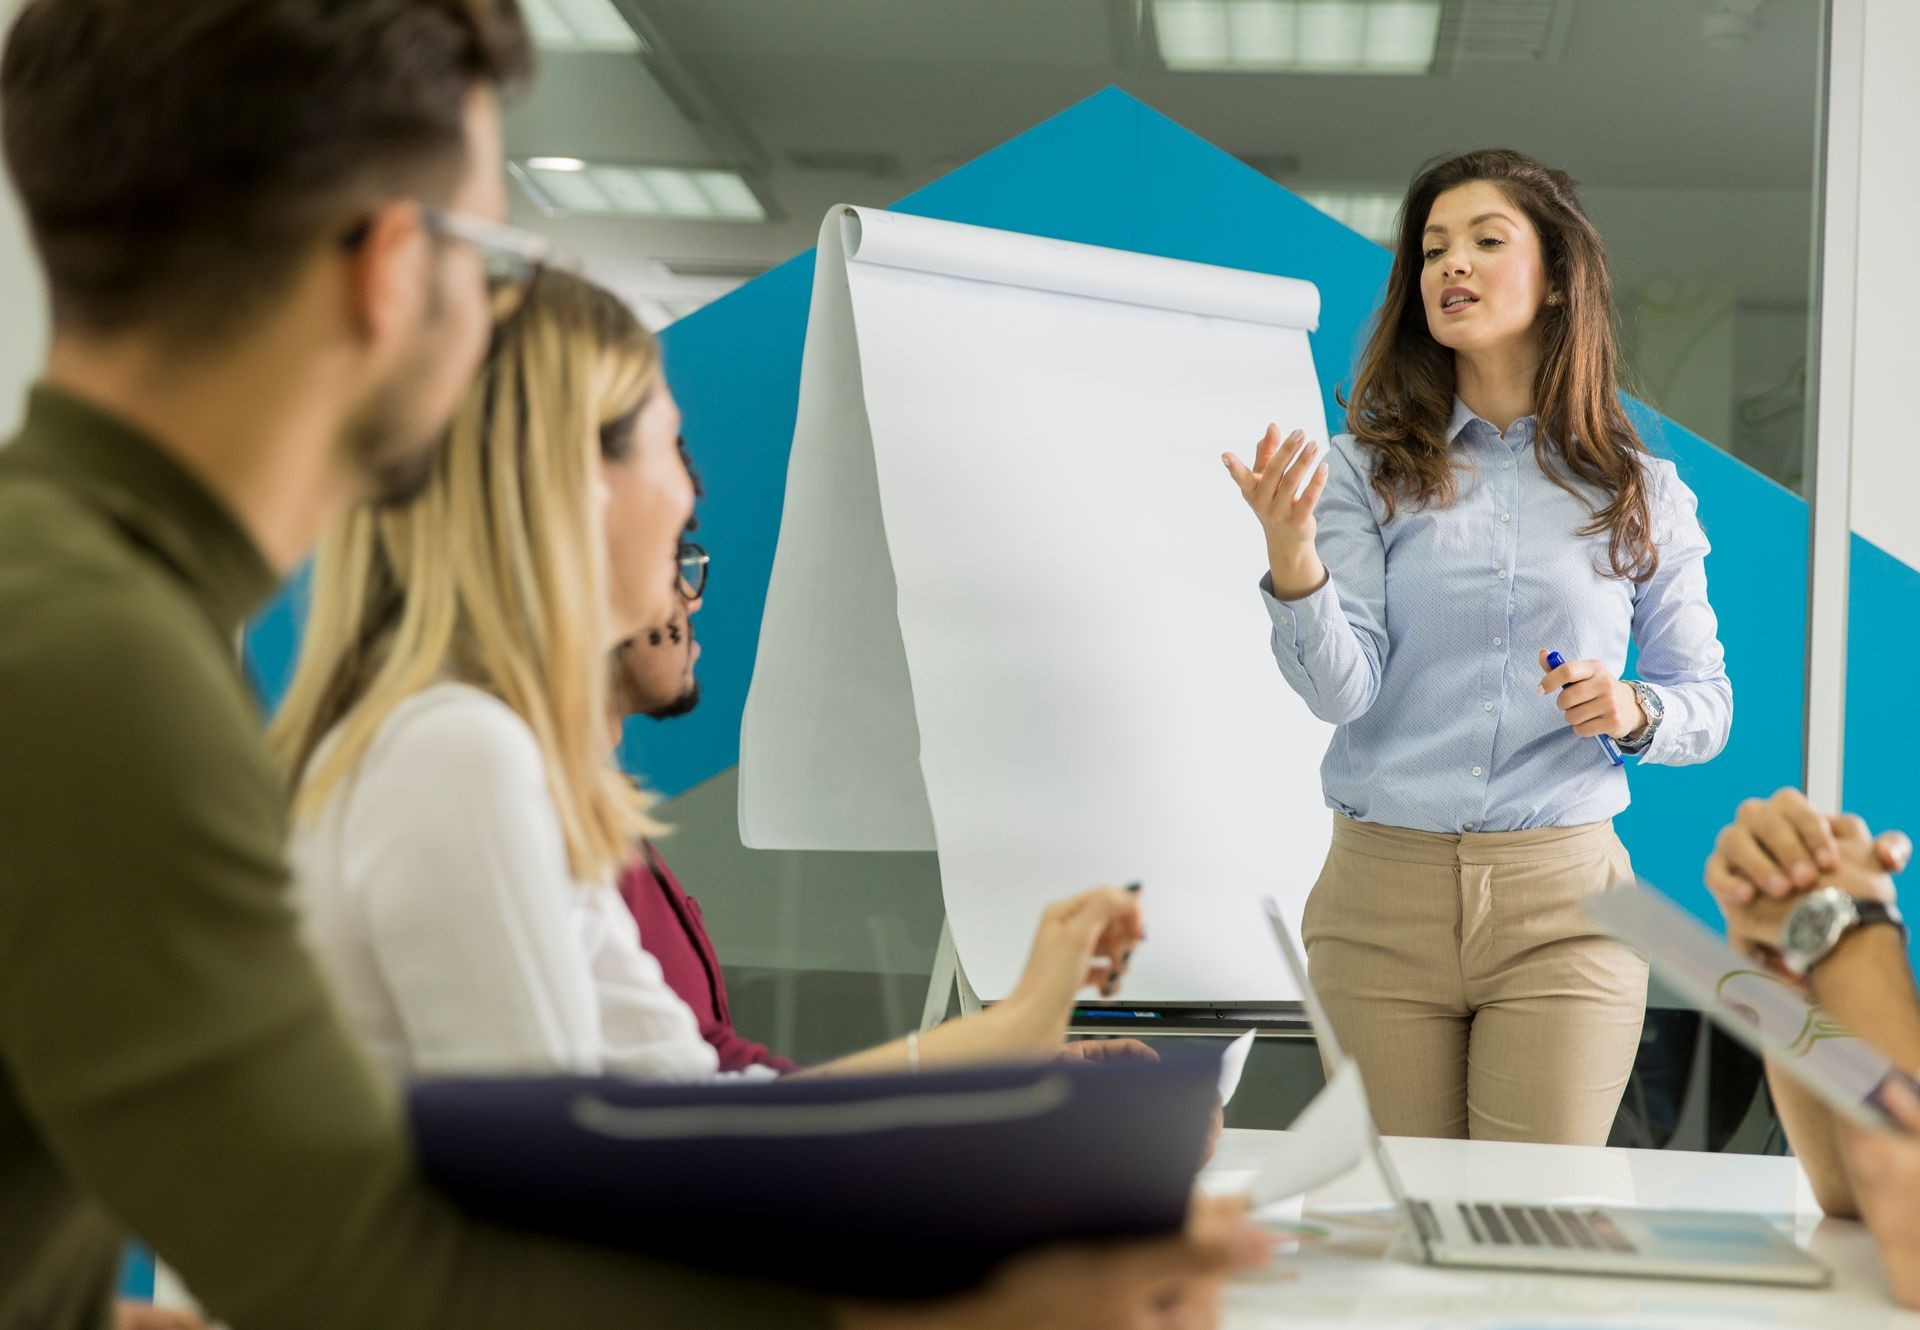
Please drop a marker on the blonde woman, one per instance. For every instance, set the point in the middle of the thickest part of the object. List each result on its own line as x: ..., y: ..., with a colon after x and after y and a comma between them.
x: 458, y: 821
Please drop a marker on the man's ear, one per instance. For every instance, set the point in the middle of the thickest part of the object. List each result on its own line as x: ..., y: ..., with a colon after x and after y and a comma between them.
x: 386, y: 288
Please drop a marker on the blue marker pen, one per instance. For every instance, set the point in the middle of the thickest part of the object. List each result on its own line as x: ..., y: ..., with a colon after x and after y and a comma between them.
x: 1554, y: 661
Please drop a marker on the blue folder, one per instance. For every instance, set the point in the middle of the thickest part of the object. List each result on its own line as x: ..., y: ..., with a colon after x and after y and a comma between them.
x: 878, y: 1186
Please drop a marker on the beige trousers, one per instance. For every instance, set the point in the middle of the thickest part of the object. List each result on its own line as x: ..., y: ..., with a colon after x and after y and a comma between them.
x: 1461, y: 975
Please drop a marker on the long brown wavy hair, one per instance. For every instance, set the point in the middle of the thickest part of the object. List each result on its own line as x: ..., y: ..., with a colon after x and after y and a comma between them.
x: 1402, y: 397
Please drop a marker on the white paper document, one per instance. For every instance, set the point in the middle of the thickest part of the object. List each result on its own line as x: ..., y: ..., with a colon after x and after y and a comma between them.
x: 1233, y: 1063
x: 1014, y: 615
x: 1759, y: 1008
x: 1327, y: 1140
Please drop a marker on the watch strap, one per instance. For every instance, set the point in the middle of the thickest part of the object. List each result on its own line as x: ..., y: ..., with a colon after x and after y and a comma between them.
x: 1654, y: 712
x: 1860, y: 913
x: 1877, y: 912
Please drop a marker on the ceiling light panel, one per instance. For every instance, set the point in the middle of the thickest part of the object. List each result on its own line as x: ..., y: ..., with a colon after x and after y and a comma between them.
x: 1372, y: 213
x: 580, y: 25
x: 590, y: 189
x: 1302, y: 36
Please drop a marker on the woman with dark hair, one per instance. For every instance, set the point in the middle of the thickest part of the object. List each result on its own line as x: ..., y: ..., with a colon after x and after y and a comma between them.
x: 1492, y: 504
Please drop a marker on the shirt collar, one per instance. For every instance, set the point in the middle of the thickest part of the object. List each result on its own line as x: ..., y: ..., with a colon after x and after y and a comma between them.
x: 1463, y: 416
x: 153, y: 497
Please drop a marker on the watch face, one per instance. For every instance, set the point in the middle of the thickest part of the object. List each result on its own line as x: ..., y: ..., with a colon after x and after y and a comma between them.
x: 1650, y: 703
x: 1810, y: 927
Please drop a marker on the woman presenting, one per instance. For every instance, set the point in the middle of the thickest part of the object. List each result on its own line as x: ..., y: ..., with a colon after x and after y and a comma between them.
x: 1493, y: 504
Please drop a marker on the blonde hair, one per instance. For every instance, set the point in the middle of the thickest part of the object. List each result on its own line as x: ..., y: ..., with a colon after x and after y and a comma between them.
x: 496, y: 577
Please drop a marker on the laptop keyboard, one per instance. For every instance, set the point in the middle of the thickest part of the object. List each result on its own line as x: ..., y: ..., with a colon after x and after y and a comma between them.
x: 1541, y: 1226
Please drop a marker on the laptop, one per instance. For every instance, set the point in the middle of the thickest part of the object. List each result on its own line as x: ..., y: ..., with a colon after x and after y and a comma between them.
x: 1582, y: 1238
x: 1763, y: 1012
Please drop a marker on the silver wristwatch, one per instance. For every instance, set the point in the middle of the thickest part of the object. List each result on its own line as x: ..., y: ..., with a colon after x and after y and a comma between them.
x: 1656, y: 712
x: 1819, y: 921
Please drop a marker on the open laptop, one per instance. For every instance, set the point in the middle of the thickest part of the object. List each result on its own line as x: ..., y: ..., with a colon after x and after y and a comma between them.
x: 1583, y: 1238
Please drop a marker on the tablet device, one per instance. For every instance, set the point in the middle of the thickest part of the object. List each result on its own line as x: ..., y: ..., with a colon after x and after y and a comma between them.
x: 1759, y: 1008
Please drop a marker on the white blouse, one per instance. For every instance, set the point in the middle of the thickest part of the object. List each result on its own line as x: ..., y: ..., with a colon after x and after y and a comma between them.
x: 435, y: 887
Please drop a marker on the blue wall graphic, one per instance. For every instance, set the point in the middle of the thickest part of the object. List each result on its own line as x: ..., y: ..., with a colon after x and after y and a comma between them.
x: 1112, y: 171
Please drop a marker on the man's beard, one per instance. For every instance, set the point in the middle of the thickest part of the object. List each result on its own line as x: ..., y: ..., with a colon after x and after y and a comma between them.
x: 680, y: 705
x: 677, y: 632
x: 388, y: 454
x: 394, y: 453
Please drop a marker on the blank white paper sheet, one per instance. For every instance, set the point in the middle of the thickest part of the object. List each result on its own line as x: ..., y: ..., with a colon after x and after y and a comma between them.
x: 1014, y: 613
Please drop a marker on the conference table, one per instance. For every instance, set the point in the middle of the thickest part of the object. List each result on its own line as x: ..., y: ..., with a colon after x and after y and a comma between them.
x: 1360, y: 1275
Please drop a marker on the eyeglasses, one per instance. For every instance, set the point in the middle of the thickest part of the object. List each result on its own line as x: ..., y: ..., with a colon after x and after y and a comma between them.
x: 693, y: 570
x: 514, y: 258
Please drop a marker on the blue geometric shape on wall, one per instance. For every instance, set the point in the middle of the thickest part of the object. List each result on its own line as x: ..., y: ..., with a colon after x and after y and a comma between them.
x: 1753, y: 523
x: 1112, y: 171
x: 136, y: 1273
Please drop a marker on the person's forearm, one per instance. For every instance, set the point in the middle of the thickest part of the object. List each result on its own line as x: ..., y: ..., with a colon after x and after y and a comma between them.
x: 1698, y: 720
x: 1813, y: 1133
x: 1867, y: 986
x: 1329, y: 660
x: 1296, y: 571
x: 1004, y: 1032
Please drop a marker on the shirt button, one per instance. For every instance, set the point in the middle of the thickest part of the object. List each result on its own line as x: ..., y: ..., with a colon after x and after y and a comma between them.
x: 1466, y: 826
x: 1486, y: 706
x: 1506, y: 517
x: 1476, y: 771
x: 1507, y: 465
x: 1502, y: 574
x: 1496, y: 641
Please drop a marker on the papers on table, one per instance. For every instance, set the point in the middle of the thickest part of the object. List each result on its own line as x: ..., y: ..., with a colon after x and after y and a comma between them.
x: 1232, y: 1063
x: 1328, y: 1139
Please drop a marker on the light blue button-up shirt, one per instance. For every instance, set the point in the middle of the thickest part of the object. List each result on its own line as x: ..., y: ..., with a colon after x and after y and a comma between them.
x: 1423, y: 646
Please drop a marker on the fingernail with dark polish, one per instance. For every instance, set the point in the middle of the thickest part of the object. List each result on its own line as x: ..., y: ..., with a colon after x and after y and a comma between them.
x: 1133, y: 886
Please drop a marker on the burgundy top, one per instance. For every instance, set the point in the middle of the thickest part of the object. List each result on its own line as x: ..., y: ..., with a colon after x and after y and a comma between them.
x: 672, y: 930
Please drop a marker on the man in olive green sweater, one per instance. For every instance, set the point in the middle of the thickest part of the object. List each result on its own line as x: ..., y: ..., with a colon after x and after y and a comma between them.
x: 266, y: 226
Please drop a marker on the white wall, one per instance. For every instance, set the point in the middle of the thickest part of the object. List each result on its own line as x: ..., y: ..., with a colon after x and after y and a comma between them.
x: 23, y: 317
x: 1886, y: 438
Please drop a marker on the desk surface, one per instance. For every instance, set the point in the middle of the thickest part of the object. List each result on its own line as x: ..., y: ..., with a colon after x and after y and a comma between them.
x: 1345, y: 1281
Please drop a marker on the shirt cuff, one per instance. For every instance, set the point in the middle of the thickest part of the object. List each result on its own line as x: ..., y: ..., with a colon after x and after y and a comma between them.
x: 1306, y: 619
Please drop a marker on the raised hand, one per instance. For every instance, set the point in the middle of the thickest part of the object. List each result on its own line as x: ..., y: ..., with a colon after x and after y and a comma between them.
x: 1783, y: 845
x: 1084, y: 941
x: 1273, y: 489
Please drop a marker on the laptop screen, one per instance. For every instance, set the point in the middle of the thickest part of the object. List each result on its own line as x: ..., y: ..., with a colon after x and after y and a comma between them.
x: 1335, y: 1058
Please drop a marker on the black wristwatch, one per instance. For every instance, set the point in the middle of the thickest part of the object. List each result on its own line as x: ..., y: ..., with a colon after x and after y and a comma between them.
x: 1818, y: 923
